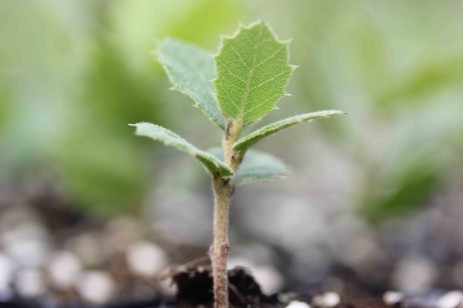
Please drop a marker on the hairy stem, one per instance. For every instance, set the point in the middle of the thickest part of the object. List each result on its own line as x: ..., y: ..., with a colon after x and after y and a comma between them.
x: 220, y: 245
x: 223, y: 190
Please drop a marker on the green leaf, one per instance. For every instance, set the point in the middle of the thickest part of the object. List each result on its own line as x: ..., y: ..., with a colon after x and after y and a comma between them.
x: 259, y: 166
x: 244, y: 143
x: 190, y: 70
x: 256, y: 166
x: 252, y: 71
x: 168, y: 137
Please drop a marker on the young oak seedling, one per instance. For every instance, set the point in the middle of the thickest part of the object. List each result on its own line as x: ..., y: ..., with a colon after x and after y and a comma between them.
x: 233, y: 89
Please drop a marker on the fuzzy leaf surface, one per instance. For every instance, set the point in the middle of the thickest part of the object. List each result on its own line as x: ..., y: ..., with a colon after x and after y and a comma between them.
x: 256, y: 166
x: 252, y: 72
x: 190, y: 70
x: 244, y: 143
x: 168, y: 137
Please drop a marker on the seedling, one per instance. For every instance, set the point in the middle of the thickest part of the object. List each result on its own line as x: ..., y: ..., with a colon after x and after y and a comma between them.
x: 237, y: 87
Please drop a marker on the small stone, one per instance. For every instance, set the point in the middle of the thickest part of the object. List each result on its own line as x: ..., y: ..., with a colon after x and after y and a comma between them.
x: 96, y: 287
x: 269, y: 279
x: 87, y: 247
x: 414, y: 275
x: 167, y: 288
x: 29, y: 283
x: 328, y: 300
x: 64, y: 269
x: 146, y: 259
x: 297, y: 304
x: 392, y: 298
x: 6, y: 275
x: 452, y: 299
x: 27, y: 252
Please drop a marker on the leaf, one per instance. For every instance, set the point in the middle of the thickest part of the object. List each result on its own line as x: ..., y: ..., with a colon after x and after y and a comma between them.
x: 259, y: 166
x: 168, y: 137
x: 252, y: 71
x: 190, y: 70
x: 256, y: 166
x: 244, y: 143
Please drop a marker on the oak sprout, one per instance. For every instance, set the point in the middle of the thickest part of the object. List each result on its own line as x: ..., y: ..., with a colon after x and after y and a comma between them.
x: 238, y: 86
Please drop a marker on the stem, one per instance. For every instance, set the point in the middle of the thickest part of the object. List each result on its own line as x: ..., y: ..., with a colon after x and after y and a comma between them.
x: 223, y: 190
x: 220, y: 246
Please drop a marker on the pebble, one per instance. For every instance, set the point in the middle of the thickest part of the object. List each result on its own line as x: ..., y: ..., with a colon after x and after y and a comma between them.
x: 29, y: 283
x: 27, y: 252
x: 146, y: 259
x: 88, y: 248
x: 6, y: 276
x: 414, y: 275
x: 269, y: 279
x: 452, y: 299
x: 121, y: 232
x: 392, y: 298
x: 167, y: 288
x: 96, y: 287
x: 328, y: 300
x: 64, y: 269
x: 297, y: 304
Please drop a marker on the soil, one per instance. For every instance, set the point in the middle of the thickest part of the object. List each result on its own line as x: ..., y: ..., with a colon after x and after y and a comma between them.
x: 194, y: 289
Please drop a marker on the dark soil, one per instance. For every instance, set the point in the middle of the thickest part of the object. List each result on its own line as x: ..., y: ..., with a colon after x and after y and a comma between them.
x: 194, y: 289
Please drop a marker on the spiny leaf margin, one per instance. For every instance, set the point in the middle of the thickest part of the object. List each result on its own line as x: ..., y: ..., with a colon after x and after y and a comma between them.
x: 252, y: 72
x: 245, y: 142
x: 170, y: 138
x: 190, y: 70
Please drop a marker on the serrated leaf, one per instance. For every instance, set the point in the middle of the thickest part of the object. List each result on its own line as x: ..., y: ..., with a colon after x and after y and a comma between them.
x: 252, y: 71
x: 244, y: 143
x: 190, y: 70
x: 256, y: 166
x: 168, y: 137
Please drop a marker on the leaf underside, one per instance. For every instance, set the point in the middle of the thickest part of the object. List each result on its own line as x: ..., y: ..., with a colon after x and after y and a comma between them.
x: 252, y: 71
x: 190, y: 70
x: 168, y: 137
x: 256, y: 166
x: 244, y: 143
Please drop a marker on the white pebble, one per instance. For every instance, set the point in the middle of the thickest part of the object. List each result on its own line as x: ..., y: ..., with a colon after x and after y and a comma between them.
x: 64, y: 269
x: 6, y: 275
x: 146, y: 259
x: 451, y: 300
x: 329, y: 299
x: 27, y: 252
x: 87, y: 247
x: 414, y: 275
x: 297, y: 304
x: 269, y: 279
x: 391, y: 298
x: 96, y: 287
x: 29, y: 283
x: 167, y: 288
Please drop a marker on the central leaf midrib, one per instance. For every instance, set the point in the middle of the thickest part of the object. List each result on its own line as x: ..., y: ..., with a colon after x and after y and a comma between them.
x: 250, y: 76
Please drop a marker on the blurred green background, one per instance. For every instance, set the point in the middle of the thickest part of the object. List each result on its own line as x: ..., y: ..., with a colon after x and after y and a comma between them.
x: 73, y: 74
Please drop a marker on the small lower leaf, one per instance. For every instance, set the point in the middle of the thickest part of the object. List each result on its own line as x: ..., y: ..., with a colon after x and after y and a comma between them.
x: 256, y: 166
x: 168, y: 137
x: 244, y: 143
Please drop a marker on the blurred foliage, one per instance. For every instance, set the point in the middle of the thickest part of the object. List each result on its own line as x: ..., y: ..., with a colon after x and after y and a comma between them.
x: 410, y: 191
x: 74, y: 74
